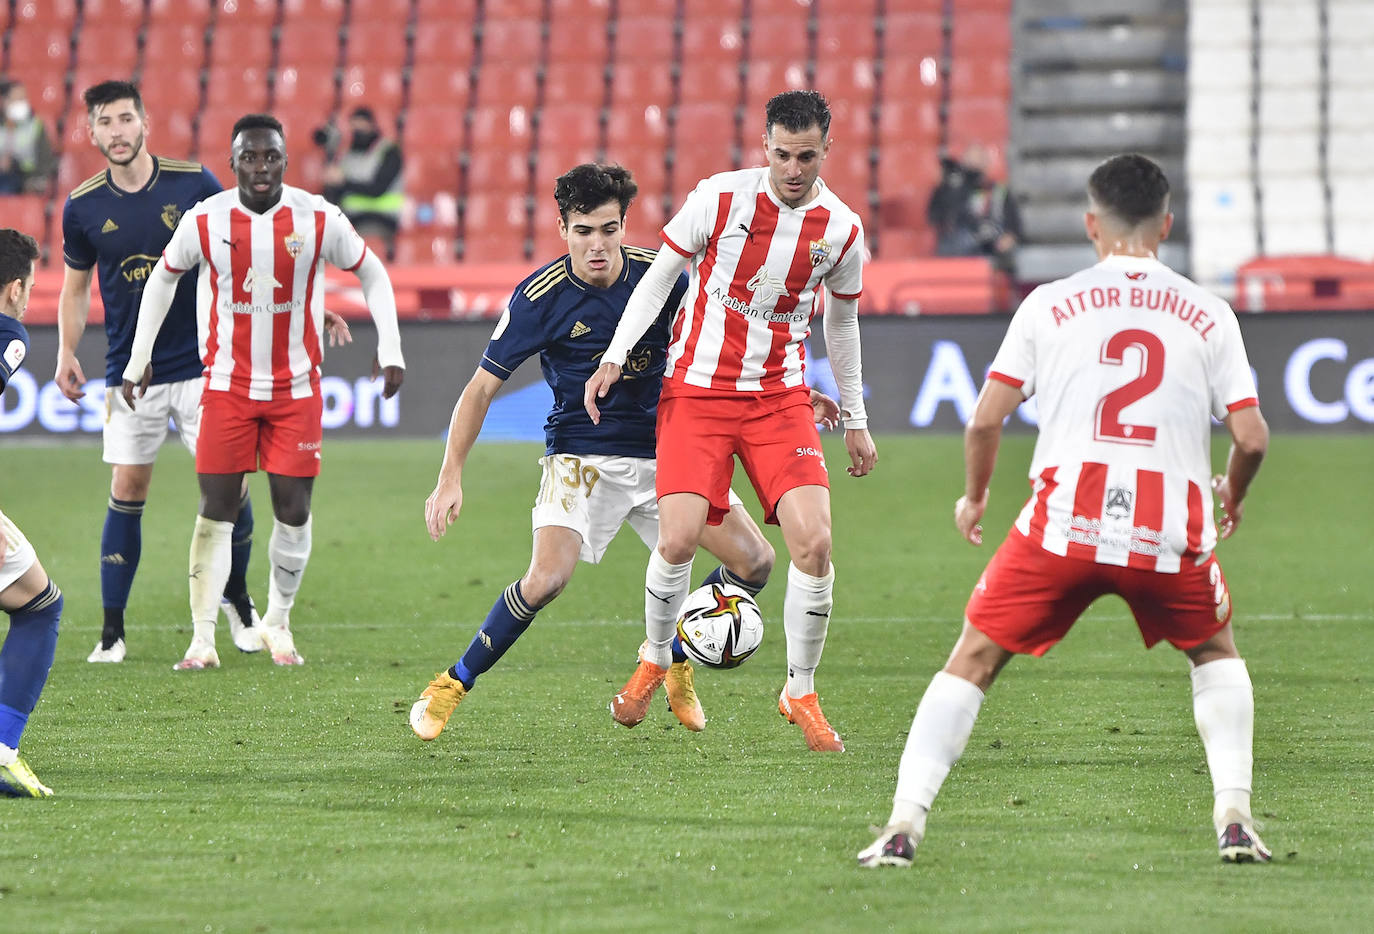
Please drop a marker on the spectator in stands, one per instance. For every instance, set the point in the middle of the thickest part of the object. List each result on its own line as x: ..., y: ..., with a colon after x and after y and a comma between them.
x: 973, y: 214
x: 26, y: 156
x: 365, y: 180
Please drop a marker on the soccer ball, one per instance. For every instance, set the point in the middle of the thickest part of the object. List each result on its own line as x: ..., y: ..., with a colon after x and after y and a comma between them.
x: 720, y: 626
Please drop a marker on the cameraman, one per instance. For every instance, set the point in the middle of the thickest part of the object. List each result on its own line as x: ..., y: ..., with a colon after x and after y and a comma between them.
x: 365, y: 180
x: 972, y: 214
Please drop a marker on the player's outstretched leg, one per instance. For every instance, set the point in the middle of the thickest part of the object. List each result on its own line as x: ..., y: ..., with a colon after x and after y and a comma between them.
x: 506, y: 621
x: 806, y: 618
x: 939, y: 732
x: 680, y: 688
x: 245, y: 626
x: 289, y: 552
x: 121, y: 544
x: 25, y: 660
x: 1224, y: 710
x: 665, y: 587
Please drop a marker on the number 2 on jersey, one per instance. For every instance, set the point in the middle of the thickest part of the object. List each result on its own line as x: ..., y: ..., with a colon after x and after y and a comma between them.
x: 1109, y: 426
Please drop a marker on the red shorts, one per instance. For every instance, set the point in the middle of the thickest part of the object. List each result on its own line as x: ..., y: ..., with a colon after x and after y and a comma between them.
x: 1028, y: 598
x: 235, y: 430
x: 701, y: 430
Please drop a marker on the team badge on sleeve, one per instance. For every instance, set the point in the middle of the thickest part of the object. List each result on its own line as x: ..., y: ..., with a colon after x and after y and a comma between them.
x: 294, y: 243
x: 820, y: 251
x: 171, y: 215
x: 14, y: 354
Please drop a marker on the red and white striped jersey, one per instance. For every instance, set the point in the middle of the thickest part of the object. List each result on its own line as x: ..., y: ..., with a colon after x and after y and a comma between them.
x: 1128, y: 361
x: 756, y: 280
x: 260, y: 300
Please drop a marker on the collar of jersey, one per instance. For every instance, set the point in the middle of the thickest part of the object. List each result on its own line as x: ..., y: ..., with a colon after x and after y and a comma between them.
x: 821, y: 189
x: 121, y: 192
x: 1122, y: 260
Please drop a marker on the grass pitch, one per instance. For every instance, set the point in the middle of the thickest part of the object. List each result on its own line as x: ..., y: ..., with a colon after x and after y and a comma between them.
x: 276, y: 800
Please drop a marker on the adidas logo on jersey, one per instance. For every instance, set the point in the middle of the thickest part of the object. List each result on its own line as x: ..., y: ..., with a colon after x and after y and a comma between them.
x: 579, y: 329
x: 255, y: 279
x: 110, y: 226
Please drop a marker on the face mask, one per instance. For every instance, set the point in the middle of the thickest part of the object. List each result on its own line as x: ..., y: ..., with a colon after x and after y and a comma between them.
x: 17, y: 111
x: 362, y: 139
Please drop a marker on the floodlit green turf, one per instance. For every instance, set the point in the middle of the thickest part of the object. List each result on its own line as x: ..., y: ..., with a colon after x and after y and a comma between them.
x: 258, y: 799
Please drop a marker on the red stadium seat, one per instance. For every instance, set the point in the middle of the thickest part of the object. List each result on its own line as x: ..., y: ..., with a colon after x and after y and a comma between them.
x: 179, y: 12
x: 239, y: 44
x: 305, y: 90
x: 304, y: 45
x: 445, y: 43
x: 846, y: 171
x: 429, y: 12
x: 715, y: 36
x: 122, y: 15
x: 501, y: 125
x: 378, y: 42
x: 39, y: 54
x: 435, y: 127
x: 715, y: 79
x: 424, y: 247
x: 897, y: 243
x: 568, y: 83
x: 780, y: 37
x: 437, y: 84
x: 907, y: 171
x: 843, y: 35
x: 247, y: 93
x: 703, y: 143
x: 429, y: 171
x: 570, y: 132
x: 977, y: 33
x: 980, y: 76
x: 980, y: 120
x: 661, y: 9
x: 579, y: 37
x: 258, y: 12
x: 762, y: 80
x: 498, y: 170
x: 115, y: 59
x: 636, y: 85
x: 172, y: 48
x: 397, y: 11
x: 644, y: 39
x: 647, y: 165
x: 510, y: 40
x: 376, y: 86
x: 637, y: 130
x: 494, y: 227
x: 911, y: 36
x: 507, y: 86
x: 58, y: 14
x: 25, y: 213
x: 321, y: 14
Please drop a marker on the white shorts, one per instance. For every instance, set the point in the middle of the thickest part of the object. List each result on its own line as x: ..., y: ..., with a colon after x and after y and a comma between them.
x: 595, y: 494
x: 19, y: 555
x: 133, y: 437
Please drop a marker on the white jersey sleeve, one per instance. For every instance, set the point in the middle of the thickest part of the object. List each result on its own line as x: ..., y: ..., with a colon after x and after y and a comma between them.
x: 184, y: 250
x: 1232, y: 382
x: 1015, y: 360
x: 342, y: 246
x: 846, y: 280
x: 690, y: 229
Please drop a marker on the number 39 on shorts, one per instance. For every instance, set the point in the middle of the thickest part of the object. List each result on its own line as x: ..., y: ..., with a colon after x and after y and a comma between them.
x: 569, y: 475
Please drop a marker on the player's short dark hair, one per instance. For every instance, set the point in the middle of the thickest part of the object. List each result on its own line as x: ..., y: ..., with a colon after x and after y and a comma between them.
x: 797, y: 112
x: 586, y: 187
x: 18, y: 253
x: 1131, y: 187
x: 107, y: 92
x: 256, y: 122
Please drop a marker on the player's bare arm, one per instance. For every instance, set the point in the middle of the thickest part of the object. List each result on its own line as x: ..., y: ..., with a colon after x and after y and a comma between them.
x: 982, y: 437
x: 73, y: 309
x: 1249, y: 442
x: 606, y: 376
x: 863, y: 453
x: 446, y: 501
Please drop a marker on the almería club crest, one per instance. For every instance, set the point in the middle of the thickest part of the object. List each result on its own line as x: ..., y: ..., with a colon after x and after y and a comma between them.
x: 820, y: 252
x: 294, y: 243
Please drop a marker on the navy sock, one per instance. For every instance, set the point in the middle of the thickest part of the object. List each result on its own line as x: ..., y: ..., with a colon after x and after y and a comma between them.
x: 721, y: 575
x: 240, y: 549
x: 25, y: 660
x: 510, y: 616
x: 121, y: 544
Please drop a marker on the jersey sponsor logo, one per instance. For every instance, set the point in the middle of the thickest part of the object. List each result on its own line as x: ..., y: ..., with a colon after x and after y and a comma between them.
x: 579, y: 329
x: 109, y: 226
x: 14, y: 354
x: 1118, y: 504
x: 307, y: 445
x: 766, y: 286
x: 295, y: 243
x: 636, y: 363
x: 819, y: 251
x: 137, y: 267
x: 256, y: 279
x: 171, y: 215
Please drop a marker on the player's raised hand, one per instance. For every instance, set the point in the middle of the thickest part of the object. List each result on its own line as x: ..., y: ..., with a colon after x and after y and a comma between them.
x: 601, y: 382
x: 863, y: 454
x: 69, y: 377
x: 337, y: 329
x: 1231, y: 510
x: 968, y: 515
x: 442, y: 507
x: 825, y: 409
x: 127, y: 389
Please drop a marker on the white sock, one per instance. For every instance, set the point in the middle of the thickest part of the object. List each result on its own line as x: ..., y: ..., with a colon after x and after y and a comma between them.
x: 805, y: 620
x: 289, y: 552
x: 7, y: 755
x: 665, y: 588
x: 210, y: 559
x: 1224, y: 710
x: 940, y: 730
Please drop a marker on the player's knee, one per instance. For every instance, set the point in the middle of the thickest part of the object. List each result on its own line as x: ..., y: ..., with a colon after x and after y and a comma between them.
x: 760, y: 562
x: 676, y: 549
x: 811, y: 555
x: 540, y: 587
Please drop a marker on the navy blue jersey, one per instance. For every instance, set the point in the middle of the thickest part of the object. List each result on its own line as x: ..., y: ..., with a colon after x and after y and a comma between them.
x: 14, y: 347
x: 124, y: 233
x: 570, y: 324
